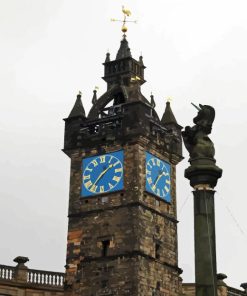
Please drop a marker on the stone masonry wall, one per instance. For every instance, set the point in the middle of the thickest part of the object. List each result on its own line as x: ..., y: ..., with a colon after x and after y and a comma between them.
x: 135, y: 224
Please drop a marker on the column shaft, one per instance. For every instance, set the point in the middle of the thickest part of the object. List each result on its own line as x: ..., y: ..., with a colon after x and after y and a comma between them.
x: 205, y: 246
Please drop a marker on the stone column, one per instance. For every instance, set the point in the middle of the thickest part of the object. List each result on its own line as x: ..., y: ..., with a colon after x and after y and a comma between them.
x: 203, y: 175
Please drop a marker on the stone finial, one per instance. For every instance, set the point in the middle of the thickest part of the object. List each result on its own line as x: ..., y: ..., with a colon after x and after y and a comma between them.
x: 107, y: 59
x: 94, y: 99
x: 141, y: 60
x: 152, y: 102
x: 21, y: 260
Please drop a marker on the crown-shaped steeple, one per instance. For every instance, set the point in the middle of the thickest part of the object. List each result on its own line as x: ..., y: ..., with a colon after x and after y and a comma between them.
x: 124, y: 69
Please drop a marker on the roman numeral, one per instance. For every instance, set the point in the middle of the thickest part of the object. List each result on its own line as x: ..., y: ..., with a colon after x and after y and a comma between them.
x: 111, y: 157
x: 102, y: 159
x: 88, y: 169
x: 116, y: 178
x: 158, y: 191
x: 158, y: 162
x: 168, y: 181
x: 94, y: 162
x: 88, y: 184
x: 110, y: 185
x: 101, y: 189
x: 119, y: 170
x: 148, y: 172
x: 149, y: 180
x: 87, y: 177
x: 93, y: 188
x: 166, y: 189
x: 153, y: 161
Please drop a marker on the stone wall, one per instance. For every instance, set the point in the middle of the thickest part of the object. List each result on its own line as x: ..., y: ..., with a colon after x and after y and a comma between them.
x: 122, y: 243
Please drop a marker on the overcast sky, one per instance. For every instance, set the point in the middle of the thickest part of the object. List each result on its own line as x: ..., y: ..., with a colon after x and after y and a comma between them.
x: 50, y: 49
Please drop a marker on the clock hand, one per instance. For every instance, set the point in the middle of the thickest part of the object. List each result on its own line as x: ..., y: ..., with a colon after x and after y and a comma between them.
x: 159, y: 176
x: 157, y: 179
x: 102, y: 174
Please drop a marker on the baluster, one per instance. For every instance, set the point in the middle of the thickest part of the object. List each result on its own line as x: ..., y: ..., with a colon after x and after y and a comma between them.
x: 50, y: 279
x: 35, y: 277
x: 3, y: 273
x: 46, y: 279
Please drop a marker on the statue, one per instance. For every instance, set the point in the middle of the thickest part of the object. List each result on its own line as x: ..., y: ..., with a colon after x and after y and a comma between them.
x: 196, y: 138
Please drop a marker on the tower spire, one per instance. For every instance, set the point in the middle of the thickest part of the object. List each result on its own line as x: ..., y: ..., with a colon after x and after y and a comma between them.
x: 78, y: 109
x: 168, y: 116
x: 124, y: 50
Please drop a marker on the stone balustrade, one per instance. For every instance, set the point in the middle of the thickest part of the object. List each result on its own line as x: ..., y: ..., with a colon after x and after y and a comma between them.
x: 46, y: 278
x: 21, y: 274
x: 7, y: 273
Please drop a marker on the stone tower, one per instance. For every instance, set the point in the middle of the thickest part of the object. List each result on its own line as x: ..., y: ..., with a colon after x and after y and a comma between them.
x: 122, y: 232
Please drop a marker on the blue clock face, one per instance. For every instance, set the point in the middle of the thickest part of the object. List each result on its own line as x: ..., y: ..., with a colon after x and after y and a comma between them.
x: 102, y: 173
x: 158, y: 180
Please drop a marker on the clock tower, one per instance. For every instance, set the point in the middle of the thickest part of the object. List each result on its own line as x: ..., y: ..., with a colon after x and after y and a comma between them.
x: 122, y: 231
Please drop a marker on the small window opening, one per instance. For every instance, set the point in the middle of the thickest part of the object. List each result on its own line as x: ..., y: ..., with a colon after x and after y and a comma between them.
x: 158, y: 286
x: 105, y: 247
x: 157, y: 251
x: 104, y: 283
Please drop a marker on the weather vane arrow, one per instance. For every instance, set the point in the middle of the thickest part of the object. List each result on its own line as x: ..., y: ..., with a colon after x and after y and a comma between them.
x: 126, y: 13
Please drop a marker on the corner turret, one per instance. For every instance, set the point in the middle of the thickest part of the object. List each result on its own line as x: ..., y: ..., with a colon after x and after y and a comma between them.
x: 78, y: 109
x: 169, y: 121
x: 73, y: 123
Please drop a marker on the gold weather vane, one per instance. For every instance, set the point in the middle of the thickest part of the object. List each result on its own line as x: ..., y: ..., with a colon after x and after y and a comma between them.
x: 126, y: 13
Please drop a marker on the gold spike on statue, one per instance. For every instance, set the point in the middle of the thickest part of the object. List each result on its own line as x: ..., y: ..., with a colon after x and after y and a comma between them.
x: 126, y: 13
